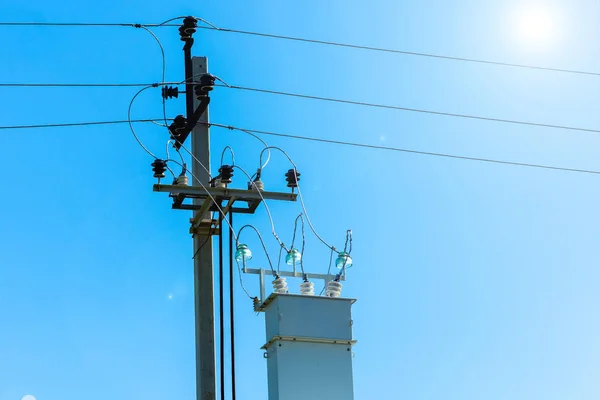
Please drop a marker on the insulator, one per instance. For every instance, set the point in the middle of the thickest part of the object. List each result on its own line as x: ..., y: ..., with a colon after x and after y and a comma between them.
x: 188, y: 28
x: 177, y: 127
x: 159, y: 167
x: 218, y: 183
x: 182, y: 180
x: 280, y: 285
x: 255, y: 302
x: 334, y: 289
x: 292, y: 177
x: 307, y: 288
x: 256, y: 185
x: 243, y: 253
x: 168, y: 92
x: 343, y: 260
x: 226, y: 172
x: 207, y: 83
x: 293, y: 257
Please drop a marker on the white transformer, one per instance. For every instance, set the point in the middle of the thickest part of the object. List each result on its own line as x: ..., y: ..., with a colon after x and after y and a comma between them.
x: 309, y: 347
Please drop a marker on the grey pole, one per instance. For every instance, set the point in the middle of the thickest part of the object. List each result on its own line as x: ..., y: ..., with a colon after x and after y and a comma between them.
x: 203, y: 263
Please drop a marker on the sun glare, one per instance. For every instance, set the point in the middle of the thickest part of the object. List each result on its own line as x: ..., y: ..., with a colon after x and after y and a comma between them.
x: 537, y: 27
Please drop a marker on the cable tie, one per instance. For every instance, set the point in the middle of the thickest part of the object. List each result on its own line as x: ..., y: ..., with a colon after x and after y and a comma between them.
x: 137, y: 25
x: 155, y: 85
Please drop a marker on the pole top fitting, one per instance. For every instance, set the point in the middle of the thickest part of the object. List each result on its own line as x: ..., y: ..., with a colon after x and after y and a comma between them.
x: 188, y: 28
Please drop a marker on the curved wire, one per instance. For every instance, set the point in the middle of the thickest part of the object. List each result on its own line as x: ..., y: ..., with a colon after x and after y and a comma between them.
x: 178, y: 152
x: 262, y: 242
x: 348, y: 241
x: 232, y: 155
x: 211, y: 197
x: 268, y: 211
x: 301, y: 218
x: 301, y: 197
x: 169, y: 20
x: 164, y: 69
x: 328, y: 271
x: 279, y: 258
x: 196, y: 159
x: 242, y: 280
x: 131, y: 124
x: 231, y: 128
x: 222, y: 81
x: 207, y: 23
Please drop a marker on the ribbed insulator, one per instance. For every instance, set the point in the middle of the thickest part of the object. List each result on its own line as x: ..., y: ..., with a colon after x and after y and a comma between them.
x: 182, y: 180
x: 307, y: 288
x: 334, y: 289
x: 280, y: 286
x: 256, y: 185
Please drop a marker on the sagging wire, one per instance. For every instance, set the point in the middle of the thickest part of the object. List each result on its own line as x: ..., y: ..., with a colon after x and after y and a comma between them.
x: 232, y: 128
x: 281, y: 244
x: 262, y: 242
x: 300, y: 196
x: 131, y: 124
x: 262, y: 166
x: 232, y: 155
x: 164, y: 68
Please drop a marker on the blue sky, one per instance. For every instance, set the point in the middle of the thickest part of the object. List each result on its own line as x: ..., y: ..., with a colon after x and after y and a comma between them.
x: 473, y: 280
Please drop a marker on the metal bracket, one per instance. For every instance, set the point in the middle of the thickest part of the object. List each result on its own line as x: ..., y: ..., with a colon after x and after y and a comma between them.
x: 307, y: 339
x: 237, y: 200
x: 262, y: 273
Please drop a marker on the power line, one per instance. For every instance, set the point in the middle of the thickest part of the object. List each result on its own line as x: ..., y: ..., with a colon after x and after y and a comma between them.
x: 5, y: 127
x: 84, y: 24
x: 397, y: 149
x: 314, y: 139
x: 84, y: 85
x: 395, y: 51
x: 312, y: 41
x: 418, y: 110
x: 320, y: 98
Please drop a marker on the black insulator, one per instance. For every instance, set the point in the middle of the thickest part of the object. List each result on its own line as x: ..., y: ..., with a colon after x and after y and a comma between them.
x: 168, y: 92
x: 188, y: 28
x: 177, y: 127
x: 159, y: 167
x: 226, y: 172
x: 207, y: 83
x: 292, y: 177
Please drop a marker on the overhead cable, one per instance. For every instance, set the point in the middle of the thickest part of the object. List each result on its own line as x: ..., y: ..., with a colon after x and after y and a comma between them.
x: 418, y: 110
x: 395, y: 51
x: 62, y: 125
x: 329, y: 99
x: 212, y: 27
x: 315, y: 139
x: 403, y: 150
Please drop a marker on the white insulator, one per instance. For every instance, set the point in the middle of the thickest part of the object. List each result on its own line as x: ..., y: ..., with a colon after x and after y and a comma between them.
x: 280, y: 285
x: 334, y: 289
x: 256, y: 185
x: 182, y: 180
x: 307, y: 288
x: 259, y: 185
x: 219, y: 184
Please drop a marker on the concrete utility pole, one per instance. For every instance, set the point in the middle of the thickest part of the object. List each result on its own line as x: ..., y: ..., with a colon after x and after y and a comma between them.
x: 204, y: 308
x: 213, y: 194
